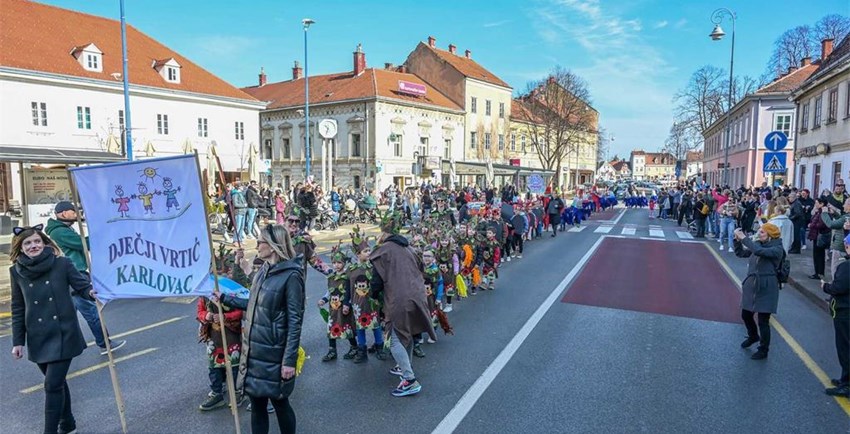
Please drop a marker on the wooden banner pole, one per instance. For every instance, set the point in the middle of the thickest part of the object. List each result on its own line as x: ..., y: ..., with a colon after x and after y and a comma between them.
x: 231, y: 382
x: 116, y: 387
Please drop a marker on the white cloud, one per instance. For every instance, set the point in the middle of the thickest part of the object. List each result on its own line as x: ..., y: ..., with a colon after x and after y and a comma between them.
x: 496, y: 23
x: 626, y: 74
x: 681, y: 23
x: 660, y: 24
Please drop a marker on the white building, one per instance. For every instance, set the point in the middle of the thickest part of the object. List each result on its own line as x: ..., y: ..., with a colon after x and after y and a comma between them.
x: 386, y: 120
x: 637, y: 161
x: 62, y: 100
x: 693, y: 161
x: 823, y: 131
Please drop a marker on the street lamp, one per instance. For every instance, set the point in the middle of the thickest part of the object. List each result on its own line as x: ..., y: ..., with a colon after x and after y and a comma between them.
x: 716, y: 35
x: 306, y: 22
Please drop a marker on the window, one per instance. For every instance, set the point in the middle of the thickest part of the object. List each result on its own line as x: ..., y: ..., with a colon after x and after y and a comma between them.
x: 513, y: 141
x: 39, y: 113
x: 473, y: 140
x: 832, y: 110
x: 266, y: 154
x: 162, y: 124
x: 121, y: 126
x: 356, y: 181
x: 83, y: 118
x: 802, y: 183
x: 501, y: 142
x: 240, y: 131
x: 355, y: 145
x: 423, y: 146
x: 202, y: 127
x: 816, y: 180
x: 782, y: 122
x: 836, y: 172
x: 744, y: 133
x: 172, y: 74
x: 397, y: 145
x: 287, y: 150
x: 502, y: 110
x: 487, y: 108
x: 804, y: 118
x: 447, y: 149
x: 287, y: 182
x: 522, y: 142
x: 93, y: 62
x: 474, y: 105
x: 487, y: 141
x: 818, y: 111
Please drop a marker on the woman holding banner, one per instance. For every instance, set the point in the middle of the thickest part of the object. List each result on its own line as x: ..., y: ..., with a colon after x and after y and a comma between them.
x: 272, y: 332
x: 44, y: 318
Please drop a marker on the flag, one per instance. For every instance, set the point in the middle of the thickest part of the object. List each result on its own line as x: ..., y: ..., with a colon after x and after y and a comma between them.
x: 146, y: 224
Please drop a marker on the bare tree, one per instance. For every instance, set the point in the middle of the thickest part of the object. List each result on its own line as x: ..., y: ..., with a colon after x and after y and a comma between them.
x: 700, y: 103
x: 561, y: 117
x: 832, y: 26
x: 791, y: 46
x: 680, y: 141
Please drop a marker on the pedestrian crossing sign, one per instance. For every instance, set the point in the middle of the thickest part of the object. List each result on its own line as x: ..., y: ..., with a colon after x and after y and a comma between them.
x: 774, y: 162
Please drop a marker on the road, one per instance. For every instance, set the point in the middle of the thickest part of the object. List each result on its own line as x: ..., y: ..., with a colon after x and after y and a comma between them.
x: 626, y: 325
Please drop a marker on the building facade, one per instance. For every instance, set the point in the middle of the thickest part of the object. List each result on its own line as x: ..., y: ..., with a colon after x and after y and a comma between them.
x: 63, y: 100
x: 391, y: 128
x: 637, y: 161
x: 823, y: 130
x: 693, y: 161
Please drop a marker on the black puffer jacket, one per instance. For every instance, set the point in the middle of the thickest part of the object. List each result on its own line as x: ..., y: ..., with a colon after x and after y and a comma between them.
x: 272, y: 331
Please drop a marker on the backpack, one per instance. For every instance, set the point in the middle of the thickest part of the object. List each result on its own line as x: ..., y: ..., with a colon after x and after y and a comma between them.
x: 783, y: 270
x: 704, y: 210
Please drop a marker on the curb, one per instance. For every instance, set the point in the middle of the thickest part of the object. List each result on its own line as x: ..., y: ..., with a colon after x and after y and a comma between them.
x: 819, y: 302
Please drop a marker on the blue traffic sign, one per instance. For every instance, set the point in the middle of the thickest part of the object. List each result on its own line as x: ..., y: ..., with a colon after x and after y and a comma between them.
x: 774, y: 162
x: 775, y: 141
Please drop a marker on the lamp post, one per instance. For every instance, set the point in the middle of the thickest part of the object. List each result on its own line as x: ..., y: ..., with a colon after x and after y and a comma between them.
x: 716, y: 35
x: 306, y: 22
x: 128, y: 129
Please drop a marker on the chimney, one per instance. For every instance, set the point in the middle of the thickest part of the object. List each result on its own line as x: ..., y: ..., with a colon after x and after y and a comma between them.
x: 791, y: 69
x: 551, y: 79
x: 806, y: 61
x: 297, y: 72
x: 388, y: 66
x: 452, y: 49
x: 402, y: 69
x: 432, y: 42
x: 262, y: 77
x: 468, y: 54
x: 359, y: 60
x: 825, y: 48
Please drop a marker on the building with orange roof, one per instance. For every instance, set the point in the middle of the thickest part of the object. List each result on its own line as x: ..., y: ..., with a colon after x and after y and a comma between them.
x: 391, y: 127
x: 62, y: 93
x: 823, y: 132
x: 755, y: 116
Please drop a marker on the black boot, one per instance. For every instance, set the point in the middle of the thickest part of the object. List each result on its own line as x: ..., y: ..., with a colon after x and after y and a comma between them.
x: 749, y: 342
x: 380, y: 352
x: 761, y: 354
x: 352, y: 352
x: 417, y: 351
x: 331, y: 355
x: 361, y: 356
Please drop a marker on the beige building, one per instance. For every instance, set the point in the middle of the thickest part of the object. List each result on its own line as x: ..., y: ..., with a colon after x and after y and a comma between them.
x: 651, y: 166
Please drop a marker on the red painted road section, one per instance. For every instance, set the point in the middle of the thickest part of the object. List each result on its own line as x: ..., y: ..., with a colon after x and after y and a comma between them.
x: 668, y: 278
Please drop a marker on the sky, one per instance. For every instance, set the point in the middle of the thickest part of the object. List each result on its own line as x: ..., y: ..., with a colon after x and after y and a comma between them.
x: 634, y: 54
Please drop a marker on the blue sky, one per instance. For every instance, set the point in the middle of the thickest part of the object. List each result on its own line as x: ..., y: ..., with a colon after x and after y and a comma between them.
x: 634, y: 54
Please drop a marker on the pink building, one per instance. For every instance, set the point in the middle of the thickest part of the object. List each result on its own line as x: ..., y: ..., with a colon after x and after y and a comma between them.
x: 752, y: 119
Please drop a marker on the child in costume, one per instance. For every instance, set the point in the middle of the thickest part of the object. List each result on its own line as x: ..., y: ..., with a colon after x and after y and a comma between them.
x: 433, y: 286
x: 211, y: 333
x: 469, y: 258
x: 338, y: 297
x: 489, y: 252
x: 364, y: 308
x: 449, y: 265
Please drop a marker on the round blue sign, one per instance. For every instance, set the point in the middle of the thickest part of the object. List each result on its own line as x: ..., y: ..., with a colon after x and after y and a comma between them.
x: 775, y: 141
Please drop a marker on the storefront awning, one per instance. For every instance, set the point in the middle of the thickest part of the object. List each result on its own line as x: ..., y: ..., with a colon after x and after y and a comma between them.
x: 476, y: 168
x: 20, y: 154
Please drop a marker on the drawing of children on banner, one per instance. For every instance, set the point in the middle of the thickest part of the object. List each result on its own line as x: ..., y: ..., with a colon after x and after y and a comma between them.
x: 170, y: 194
x: 122, y: 201
x: 146, y: 198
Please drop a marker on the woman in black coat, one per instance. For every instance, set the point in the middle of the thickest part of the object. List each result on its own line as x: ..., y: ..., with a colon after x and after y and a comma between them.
x: 271, y: 335
x: 44, y: 318
x: 839, y: 307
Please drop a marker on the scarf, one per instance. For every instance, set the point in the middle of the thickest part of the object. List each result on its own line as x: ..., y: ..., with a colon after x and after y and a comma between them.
x: 33, y: 268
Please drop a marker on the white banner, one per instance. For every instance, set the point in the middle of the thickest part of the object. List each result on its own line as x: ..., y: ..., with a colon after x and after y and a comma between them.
x: 146, y: 224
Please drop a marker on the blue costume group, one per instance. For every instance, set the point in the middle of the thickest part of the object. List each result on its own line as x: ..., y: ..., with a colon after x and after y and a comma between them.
x: 636, y: 202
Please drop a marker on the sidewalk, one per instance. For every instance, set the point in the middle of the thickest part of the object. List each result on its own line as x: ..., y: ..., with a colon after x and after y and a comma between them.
x: 802, y: 266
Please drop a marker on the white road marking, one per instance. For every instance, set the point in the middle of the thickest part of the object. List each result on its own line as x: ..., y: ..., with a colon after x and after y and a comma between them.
x: 468, y: 400
x: 603, y: 229
x: 578, y: 229
x: 684, y: 235
x: 656, y: 233
x: 628, y: 231
x: 622, y: 213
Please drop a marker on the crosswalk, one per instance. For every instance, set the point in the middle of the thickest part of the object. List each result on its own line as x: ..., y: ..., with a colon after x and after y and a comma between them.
x: 651, y: 232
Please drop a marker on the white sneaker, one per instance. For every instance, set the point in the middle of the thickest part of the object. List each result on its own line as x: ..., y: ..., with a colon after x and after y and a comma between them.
x: 448, y: 308
x: 431, y: 341
x: 731, y: 250
x: 509, y: 259
x: 519, y: 256
x: 803, y: 248
x: 720, y: 247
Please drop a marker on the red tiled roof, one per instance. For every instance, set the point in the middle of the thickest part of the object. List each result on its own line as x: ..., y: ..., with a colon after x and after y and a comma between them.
x: 520, y: 111
x: 467, y: 67
x: 620, y: 165
x: 790, y: 82
x: 39, y: 37
x: 840, y: 52
x: 660, y: 159
x: 693, y: 156
x: 345, y: 86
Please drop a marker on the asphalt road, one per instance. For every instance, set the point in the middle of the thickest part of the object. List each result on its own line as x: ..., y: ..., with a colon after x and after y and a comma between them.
x: 522, y: 359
